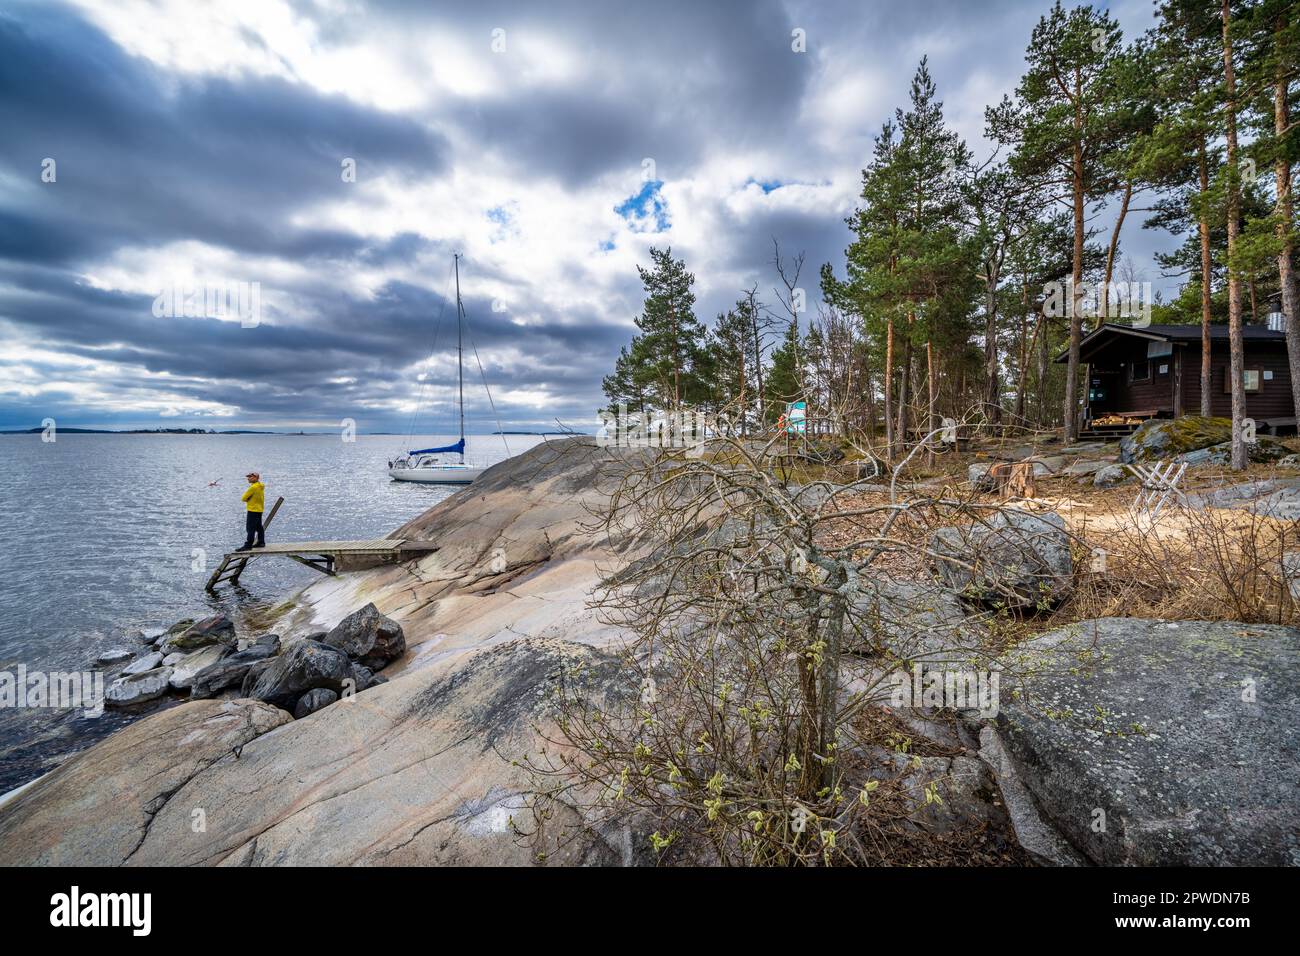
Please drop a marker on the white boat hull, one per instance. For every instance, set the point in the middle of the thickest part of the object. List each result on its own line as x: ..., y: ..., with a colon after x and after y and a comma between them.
x: 441, y: 475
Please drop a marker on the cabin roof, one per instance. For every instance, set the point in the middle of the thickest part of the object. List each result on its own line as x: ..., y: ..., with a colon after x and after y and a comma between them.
x: 1107, y: 332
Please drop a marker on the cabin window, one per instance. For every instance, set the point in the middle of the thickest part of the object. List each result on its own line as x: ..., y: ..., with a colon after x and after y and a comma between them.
x: 1251, y: 378
x: 1139, y: 372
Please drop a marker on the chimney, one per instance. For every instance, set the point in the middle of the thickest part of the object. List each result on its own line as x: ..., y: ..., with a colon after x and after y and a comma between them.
x: 1275, y: 320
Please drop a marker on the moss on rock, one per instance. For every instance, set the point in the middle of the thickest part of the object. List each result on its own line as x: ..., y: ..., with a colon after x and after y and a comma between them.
x: 1166, y: 437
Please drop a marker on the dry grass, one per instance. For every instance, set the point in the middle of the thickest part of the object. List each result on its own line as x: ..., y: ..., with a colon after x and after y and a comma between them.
x: 1212, y: 564
x: 1190, y: 564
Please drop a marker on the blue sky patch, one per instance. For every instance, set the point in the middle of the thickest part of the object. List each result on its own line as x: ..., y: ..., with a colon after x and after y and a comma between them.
x: 646, y: 211
x: 504, y: 217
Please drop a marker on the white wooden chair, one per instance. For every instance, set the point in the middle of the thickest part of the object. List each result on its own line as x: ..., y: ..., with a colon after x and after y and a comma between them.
x: 1159, y: 484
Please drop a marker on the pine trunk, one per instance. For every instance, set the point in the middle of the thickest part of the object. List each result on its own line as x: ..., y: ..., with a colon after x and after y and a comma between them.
x: 1282, y: 175
x: 1203, y: 226
x: 889, y: 389
x: 992, y: 387
x: 1076, y: 290
x: 1113, y: 250
x: 1236, y: 353
x: 930, y: 386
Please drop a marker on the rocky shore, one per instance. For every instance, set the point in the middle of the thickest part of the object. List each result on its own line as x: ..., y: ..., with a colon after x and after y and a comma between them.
x: 380, y: 716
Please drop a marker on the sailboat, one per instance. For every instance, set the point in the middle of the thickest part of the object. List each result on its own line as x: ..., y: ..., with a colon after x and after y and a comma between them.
x: 444, y: 465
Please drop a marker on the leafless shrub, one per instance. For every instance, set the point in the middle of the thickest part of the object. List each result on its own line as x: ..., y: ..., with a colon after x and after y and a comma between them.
x: 763, y: 628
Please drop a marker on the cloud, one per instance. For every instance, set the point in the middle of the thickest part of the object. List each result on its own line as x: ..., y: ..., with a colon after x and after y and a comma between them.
x: 549, y: 145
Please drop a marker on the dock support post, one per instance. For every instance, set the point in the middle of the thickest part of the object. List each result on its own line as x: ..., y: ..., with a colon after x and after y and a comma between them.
x: 240, y: 563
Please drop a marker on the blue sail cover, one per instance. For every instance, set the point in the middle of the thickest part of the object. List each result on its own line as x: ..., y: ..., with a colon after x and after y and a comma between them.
x: 458, y: 448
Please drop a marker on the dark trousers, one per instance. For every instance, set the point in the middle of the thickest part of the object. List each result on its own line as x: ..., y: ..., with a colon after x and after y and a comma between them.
x: 253, y: 525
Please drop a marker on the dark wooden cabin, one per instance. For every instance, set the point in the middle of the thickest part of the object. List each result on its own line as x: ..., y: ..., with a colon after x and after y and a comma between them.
x: 1155, y: 372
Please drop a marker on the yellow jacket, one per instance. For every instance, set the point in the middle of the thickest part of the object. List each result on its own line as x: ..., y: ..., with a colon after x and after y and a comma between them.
x: 255, y: 496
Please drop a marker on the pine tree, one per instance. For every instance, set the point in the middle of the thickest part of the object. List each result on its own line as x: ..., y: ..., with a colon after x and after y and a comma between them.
x: 666, y: 364
x: 622, y: 386
x: 1270, y: 36
x: 1062, y: 125
x: 785, y: 377
x: 1232, y: 179
x: 872, y: 282
x: 734, y: 361
x: 1179, y: 154
x: 935, y: 264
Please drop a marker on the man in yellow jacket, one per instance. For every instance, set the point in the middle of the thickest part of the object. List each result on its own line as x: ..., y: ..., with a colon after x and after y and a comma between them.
x: 255, y: 500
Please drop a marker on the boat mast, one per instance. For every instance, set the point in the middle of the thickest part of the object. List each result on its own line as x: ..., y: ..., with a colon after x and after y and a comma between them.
x: 460, y: 360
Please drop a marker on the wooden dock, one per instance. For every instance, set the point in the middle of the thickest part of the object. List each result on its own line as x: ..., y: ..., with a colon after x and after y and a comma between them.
x: 327, y: 557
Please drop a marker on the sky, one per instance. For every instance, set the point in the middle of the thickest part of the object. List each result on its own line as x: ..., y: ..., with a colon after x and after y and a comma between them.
x: 312, y: 165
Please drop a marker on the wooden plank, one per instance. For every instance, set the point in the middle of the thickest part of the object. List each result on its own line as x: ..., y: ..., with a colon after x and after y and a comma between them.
x: 376, y: 546
x: 321, y: 555
x: 216, y: 575
x: 327, y: 567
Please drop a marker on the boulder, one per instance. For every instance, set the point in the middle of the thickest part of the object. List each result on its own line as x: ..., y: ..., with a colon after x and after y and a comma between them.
x: 251, y: 676
x: 305, y: 666
x: 1047, y: 464
x: 1108, y: 476
x: 151, y: 635
x: 218, y: 629
x: 313, y: 701
x: 1262, y: 450
x: 1274, y: 497
x: 1157, y: 743
x: 1163, y: 438
x: 115, y: 655
x: 978, y: 476
x: 1084, y: 467
x: 1014, y: 559
x: 146, y: 663
x: 138, y: 688
x: 194, y: 663
x: 101, y: 806
x: 231, y: 670
x: 907, y: 622
x: 368, y: 638
x: 1289, y: 461
x: 965, y: 788
x: 1040, y: 839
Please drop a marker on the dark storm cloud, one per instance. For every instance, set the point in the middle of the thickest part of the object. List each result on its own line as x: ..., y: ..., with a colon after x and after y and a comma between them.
x: 670, y: 83
x: 142, y: 158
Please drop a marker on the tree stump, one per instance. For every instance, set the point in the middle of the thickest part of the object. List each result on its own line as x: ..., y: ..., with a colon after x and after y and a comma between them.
x: 1014, y: 479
